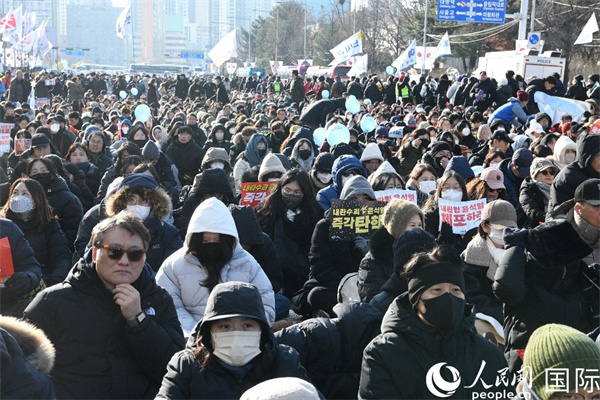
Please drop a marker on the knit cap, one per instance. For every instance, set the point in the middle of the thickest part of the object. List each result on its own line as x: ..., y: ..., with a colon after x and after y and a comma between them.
x: 410, y: 243
x: 396, y: 215
x: 371, y: 152
x: 288, y: 388
x: 499, y: 214
x: 150, y: 151
x: 139, y: 181
x: 556, y: 347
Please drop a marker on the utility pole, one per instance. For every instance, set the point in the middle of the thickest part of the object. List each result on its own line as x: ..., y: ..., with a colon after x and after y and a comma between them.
x: 276, y: 31
x: 305, y: 9
x: 423, y: 71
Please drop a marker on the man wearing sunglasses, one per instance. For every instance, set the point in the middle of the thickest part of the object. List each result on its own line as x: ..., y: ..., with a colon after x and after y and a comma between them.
x: 113, y: 328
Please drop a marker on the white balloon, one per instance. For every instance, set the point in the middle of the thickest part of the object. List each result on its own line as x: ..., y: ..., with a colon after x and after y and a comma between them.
x: 338, y: 133
x: 368, y: 124
x: 127, y: 78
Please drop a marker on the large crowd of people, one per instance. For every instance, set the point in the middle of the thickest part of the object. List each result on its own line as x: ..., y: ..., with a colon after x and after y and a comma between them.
x: 132, y: 265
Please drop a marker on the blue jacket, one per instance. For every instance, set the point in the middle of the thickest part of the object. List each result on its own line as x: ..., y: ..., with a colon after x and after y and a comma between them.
x: 511, y: 182
x: 340, y: 165
x: 510, y: 113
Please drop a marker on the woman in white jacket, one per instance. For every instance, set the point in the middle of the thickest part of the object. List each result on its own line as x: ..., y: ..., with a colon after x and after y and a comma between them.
x: 211, y: 255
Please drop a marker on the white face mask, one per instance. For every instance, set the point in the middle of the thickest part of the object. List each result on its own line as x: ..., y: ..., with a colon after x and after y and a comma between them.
x: 466, y: 132
x: 219, y: 136
x: 236, y: 348
x: 452, y: 195
x: 569, y: 158
x: 433, y: 140
x: 217, y: 165
x: 427, y: 186
x: 496, y: 235
x: 124, y: 130
x: 20, y: 204
x: 323, y: 177
x: 495, y: 165
x: 54, y: 127
x: 381, y: 141
x: 140, y: 211
x: 232, y: 131
x: 456, y: 141
x: 345, y: 179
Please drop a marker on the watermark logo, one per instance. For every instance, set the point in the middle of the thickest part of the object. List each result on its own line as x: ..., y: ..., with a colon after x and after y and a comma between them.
x: 437, y: 385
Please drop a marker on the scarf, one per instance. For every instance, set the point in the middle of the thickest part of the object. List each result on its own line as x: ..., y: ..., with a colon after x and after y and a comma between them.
x: 590, y: 234
x: 545, y: 189
x: 496, y: 254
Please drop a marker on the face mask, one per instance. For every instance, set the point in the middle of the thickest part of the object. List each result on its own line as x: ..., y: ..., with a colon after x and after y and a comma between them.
x: 217, y: 165
x: 495, y: 165
x: 10, y: 118
x: 323, y: 177
x: 433, y: 140
x: 236, y: 348
x: 292, y: 201
x: 54, y: 127
x: 444, y: 312
x: 44, y: 178
x: 280, y: 135
x: 20, y: 204
x: 424, y: 143
x: 47, y: 111
x: 304, y: 154
x: 345, y: 179
x: 210, y: 253
x: 232, y: 131
x: 219, y: 136
x: 124, y: 130
x: 569, y: 158
x: 497, y: 236
x: 452, y: 195
x: 140, y: 211
x: 466, y: 132
x: 427, y: 186
x: 140, y: 143
x: 262, y: 153
x: 381, y: 141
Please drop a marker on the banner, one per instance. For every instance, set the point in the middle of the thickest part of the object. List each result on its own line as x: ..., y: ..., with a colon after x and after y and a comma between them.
x: 348, y: 48
x: 5, y: 137
x: 231, y: 68
x: 388, y: 195
x: 360, y: 65
x: 21, y: 145
x: 40, y: 102
x: 350, y: 218
x: 255, y: 192
x: 586, y: 35
x: 443, y: 47
x: 225, y: 49
x: 595, y: 127
x: 408, y: 58
x: 6, y: 266
x: 275, y: 65
x: 123, y: 27
x: 461, y: 215
x: 556, y: 107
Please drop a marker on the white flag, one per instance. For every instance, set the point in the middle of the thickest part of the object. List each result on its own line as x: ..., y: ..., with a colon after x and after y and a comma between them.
x: 225, y: 49
x: 28, y: 42
x: 408, y: 57
x: 443, y: 47
x: 13, y: 35
x: 348, y: 48
x: 29, y: 20
x: 124, y: 24
x: 588, y: 31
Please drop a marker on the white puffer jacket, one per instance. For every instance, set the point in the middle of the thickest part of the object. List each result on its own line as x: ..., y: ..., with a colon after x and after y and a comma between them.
x: 182, y: 274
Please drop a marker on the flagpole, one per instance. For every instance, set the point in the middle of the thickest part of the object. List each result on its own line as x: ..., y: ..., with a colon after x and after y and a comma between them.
x: 423, y: 71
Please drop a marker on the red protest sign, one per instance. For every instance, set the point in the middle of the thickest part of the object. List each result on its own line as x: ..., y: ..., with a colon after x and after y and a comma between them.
x: 255, y: 192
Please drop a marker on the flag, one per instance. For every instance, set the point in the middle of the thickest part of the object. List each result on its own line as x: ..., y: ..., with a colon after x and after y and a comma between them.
x: 225, y: 49
x: 347, y: 49
x: 359, y: 66
x: 443, y: 47
x: 408, y: 58
x: 12, y: 34
x: 8, y: 21
x: 588, y: 31
x: 29, y: 20
x: 124, y: 24
x: 42, y: 45
x: 31, y: 99
x: 29, y: 41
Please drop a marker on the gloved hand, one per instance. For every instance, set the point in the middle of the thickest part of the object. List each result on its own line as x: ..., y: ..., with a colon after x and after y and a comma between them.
x: 445, y: 236
x: 361, y: 244
x: 17, y: 285
x: 515, y: 237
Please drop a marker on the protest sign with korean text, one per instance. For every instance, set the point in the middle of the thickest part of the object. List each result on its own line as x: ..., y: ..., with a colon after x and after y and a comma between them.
x: 461, y: 215
x: 390, y: 194
x: 351, y: 218
x: 5, y: 137
x: 255, y: 192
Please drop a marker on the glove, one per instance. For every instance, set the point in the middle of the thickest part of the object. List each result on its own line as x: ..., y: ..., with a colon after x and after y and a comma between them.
x: 445, y: 236
x: 361, y: 244
x: 17, y: 285
x: 515, y: 237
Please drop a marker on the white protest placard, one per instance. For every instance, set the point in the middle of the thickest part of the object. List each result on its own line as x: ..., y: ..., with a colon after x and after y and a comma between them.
x: 461, y: 215
x: 5, y: 137
x: 390, y: 194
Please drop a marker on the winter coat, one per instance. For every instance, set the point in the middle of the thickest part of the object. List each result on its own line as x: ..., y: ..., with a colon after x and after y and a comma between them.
x: 212, y: 142
x: 181, y: 88
x: 103, y: 161
x: 536, y: 295
x: 331, y: 349
x: 577, y: 92
x: 75, y: 91
x: 93, y: 176
x: 374, y: 92
x: 316, y: 113
x: 66, y: 206
x: 153, y: 94
x: 297, y: 90
x: 531, y: 210
x: 340, y: 165
x: 479, y: 271
x: 504, y: 93
x: 19, y: 90
x: 511, y: 182
x: 62, y: 140
x: 187, y: 158
x: 566, y: 181
x: 168, y: 180
x: 377, y: 265
x: 51, y: 248
x: 26, y: 356
x: 98, y: 355
x: 222, y: 96
x: 512, y: 112
x: 441, y: 92
x: 84, y: 233
x: 182, y: 275
x: 486, y: 87
x: 409, y: 157
x: 391, y: 289
x: 396, y: 362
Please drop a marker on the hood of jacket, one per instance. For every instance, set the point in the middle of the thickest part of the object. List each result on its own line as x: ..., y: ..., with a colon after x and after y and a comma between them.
x: 57, y: 185
x: 305, y: 164
x: 251, y: 152
x: 216, y: 154
x: 381, y: 246
x: 343, y: 164
x: 355, y: 186
x: 211, y: 216
x: 36, y: 348
x: 460, y: 165
x: 561, y: 146
x: 384, y: 168
x: 212, y: 181
x: 270, y: 163
x: 587, y: 147
x: 249, y: 230
x: 164, y: 134
x: 158, y: 197
x: 217, y: 127
x: 323, y: 162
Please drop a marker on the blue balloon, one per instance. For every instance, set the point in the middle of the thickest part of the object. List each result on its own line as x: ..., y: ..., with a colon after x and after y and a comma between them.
x: 367, y: 123
x: 338, y: 133
x: 325, y: 94
x: 319, y: 136
x: 142, y: 113
x: 122, y: 94
x: 353, y: 106
x: 390, y: 70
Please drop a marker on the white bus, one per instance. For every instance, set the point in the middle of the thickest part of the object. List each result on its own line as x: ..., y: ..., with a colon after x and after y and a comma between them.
x: 159, y: 69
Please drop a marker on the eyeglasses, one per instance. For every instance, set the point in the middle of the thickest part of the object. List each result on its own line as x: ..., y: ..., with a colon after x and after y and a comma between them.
x: 573, y: 396
x: 116, y: 253
x: 136, y: 200
x: 349, y: 173
x: 292, y: 192
x: 548, y: 172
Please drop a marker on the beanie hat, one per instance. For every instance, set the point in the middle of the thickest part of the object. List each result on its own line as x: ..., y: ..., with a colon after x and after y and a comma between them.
x: 381, y: 131
x: 433, y: 274
x: 114, y: 186
x: 555, y: 346
x: 139, y: 181
x: 214, y: 181
x: 39, y: 140
x: 499, y: 212
x: 341, y: 149
x: 396, y: 215
x: 410, y: 243
x: 324, y: 162
x: 150, y: 151
x: 355, y: 186
x: 460, y: 165
x: 371, y: 152
x: 522, y: 95
x: 440, y: 146
x: 288, y: 388
x: 270, y: 164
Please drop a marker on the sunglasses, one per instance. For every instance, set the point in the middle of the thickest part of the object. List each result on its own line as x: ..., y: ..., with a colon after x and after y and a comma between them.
x: 116, y: 253
x: 548, y: 171
x: 493, y: 190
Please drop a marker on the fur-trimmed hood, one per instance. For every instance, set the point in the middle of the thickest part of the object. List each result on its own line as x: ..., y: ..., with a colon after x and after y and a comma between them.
x: 158, y: 197
x: 37, y: 349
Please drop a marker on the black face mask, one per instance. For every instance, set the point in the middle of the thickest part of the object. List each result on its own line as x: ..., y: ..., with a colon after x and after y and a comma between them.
x: 280, y: 135
x: 44, y: 178
x: 438, y: 160
x: 305, y: 154
x: 424, y: 143
x: 140, y: 143
x: 444, y: 312
x: 291, y: 201
x: 212, y: 253
x: 262, y: 153
x: 10, y: 118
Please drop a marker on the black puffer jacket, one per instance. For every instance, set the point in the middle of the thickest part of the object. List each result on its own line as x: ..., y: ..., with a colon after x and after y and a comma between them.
x: 187, y: 158
x: 66, y: 206
x: 396, y: 362
x: 486, y: 87
x: 531, y: 210
x: 98, y: 355
x: 377, y: 265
